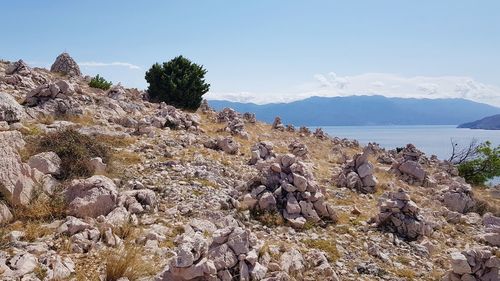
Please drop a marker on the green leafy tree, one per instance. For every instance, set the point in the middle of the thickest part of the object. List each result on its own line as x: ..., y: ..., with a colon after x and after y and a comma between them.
x: 178, y: 82
x: 100, y: 83
x: 485, y: 166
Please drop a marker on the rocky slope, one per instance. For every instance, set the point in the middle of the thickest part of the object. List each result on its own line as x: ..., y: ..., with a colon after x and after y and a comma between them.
x: 219, y: 196
x: 487, y: 123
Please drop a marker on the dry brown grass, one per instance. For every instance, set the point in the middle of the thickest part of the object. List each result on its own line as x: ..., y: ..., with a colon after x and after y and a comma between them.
x: 33, y: 231
x: 41, y: 208
x: 127, y: 262
x: 327, y: 246
x: 407, y: 273
x: 485, y: 201
x: 85, y: 119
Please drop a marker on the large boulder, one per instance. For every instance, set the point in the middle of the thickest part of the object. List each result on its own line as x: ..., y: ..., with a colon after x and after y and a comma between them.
x: 66, y: 64
x: 413, y: 169
x: 10, y: 109
x: 91, y: 197
x: 16, y: 178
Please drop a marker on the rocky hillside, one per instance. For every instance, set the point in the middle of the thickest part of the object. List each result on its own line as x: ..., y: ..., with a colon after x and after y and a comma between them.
x: 487, y: 123
x: 103, y: 185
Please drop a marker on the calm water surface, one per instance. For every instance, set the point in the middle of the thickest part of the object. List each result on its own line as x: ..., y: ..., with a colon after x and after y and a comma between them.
x: 429, y: 139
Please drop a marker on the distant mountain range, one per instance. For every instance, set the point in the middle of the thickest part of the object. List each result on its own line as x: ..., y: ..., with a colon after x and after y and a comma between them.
x: 366, y: 110
x: 487, y: 123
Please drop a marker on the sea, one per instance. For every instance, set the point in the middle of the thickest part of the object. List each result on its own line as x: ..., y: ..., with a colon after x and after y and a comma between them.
x: 431, y: 139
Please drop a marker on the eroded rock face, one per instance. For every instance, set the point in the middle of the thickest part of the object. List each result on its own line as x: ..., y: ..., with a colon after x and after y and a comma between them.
x: 64, y: 63
x: 400, y: 215
x: 474, y: 264
x: 358, y: 174
x: 17, y: 179
x: 228, y: 252
x: 288, y: 187
x: 91, y: 197
x: 10, y: 109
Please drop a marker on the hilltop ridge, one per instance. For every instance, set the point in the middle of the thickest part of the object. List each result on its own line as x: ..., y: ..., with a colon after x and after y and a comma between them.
x: 164, y: 194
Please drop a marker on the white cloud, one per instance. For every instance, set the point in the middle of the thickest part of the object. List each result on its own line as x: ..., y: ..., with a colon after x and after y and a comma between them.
x: 385, y: 84
x: 101, y: 64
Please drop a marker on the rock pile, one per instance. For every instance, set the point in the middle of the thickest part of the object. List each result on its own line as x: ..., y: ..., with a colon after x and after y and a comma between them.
x: 298, y: 149
x: 474, y: 264
x: 237, y: 128
x: 20, y: 75
x: 290, y: 128
x: 358, y: 174
x: 398, y: 214
x: 204, y: 253
x: 177, y: 119
x: 249, y: 117
x: 226, y: 144
x: 288, y: 187
x: 45, y: 92
x: 320, y: 134
x: 227, y: 115
x: 235, y: 123
x: 492, y: 229
x: 408, y: 167
x: 66, y: 64
x: 304, y: 131
x: 457, y: 197
x: 261, y: 151
x: 278, y: 125
x: 204, y: 107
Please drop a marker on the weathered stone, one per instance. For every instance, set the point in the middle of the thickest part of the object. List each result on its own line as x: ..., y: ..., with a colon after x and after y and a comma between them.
x: 46, y: 162
x: 413, y: 169
x: 65, y: 64
x: 10, y: 109
x: 91, y: 197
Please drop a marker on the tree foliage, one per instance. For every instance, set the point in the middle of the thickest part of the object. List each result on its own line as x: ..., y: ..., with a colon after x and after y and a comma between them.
x: 484, y: 166
x: 178, y: 82
x: 100, y: 83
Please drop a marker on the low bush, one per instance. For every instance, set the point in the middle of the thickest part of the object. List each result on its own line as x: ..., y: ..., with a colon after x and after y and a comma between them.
x: 483, y: 167
x: 100, y: 83
x: 75, y: 151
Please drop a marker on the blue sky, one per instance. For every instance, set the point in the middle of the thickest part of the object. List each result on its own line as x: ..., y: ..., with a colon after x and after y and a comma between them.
x: 266, y: 50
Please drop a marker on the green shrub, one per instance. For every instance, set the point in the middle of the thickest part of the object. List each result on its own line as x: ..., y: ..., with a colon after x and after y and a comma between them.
x: 178, y: 82
x: 75, y: 151
x: 100, y: 83
x: 485, y: 166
